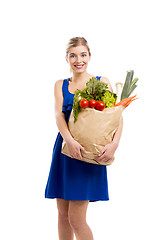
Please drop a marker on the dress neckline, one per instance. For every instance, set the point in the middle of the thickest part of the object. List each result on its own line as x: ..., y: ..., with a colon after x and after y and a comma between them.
x: 68, y: 85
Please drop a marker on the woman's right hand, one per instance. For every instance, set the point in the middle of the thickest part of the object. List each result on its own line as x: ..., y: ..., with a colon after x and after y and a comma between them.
x: 74, y: 148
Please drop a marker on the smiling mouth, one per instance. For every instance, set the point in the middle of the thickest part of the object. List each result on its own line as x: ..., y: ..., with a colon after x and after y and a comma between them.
x: 79, y: 65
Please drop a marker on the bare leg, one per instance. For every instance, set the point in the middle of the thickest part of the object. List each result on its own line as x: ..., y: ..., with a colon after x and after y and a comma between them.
x: 65, y: 231
x: 77, y: 219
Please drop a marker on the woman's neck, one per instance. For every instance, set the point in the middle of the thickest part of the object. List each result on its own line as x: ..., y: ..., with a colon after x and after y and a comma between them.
x: 80, y: 77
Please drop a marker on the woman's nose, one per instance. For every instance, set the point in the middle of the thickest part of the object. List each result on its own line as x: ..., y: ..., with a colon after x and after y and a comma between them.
x: 78, y: 58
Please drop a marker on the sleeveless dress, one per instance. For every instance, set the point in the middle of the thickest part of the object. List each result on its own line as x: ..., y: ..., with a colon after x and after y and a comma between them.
x: 72, y: 179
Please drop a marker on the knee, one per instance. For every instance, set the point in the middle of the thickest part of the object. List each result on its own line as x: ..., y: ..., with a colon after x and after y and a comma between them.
x: 77, y: 223
x: 62, y: 210
x: 63, y: 216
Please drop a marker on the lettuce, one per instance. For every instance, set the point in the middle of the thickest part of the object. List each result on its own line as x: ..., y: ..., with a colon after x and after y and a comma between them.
x: 109, y: 98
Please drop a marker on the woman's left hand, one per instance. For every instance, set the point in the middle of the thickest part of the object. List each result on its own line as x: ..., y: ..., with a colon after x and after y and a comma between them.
x: 107, y: 153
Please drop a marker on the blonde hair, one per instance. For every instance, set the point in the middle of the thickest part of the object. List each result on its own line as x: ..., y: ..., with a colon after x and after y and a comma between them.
x: 77, y: 41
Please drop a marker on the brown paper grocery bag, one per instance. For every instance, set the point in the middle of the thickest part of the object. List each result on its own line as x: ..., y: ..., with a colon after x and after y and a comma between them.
x: 93, y: 130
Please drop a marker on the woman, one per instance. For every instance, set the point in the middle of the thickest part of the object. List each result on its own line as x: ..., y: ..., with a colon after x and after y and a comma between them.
x: 72, y: 182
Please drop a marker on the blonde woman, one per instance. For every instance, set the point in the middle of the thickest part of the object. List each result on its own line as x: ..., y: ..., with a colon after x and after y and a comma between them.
x: 72, y: 182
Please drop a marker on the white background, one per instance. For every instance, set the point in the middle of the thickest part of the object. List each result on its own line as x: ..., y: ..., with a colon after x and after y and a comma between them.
x: 122, y: 35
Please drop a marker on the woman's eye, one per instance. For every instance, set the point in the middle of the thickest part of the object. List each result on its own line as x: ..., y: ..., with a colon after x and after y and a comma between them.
x: 83, y: 55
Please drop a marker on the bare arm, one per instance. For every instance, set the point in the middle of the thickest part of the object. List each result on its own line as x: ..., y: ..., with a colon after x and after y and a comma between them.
x: 72, y: 145
x: 60, y: 117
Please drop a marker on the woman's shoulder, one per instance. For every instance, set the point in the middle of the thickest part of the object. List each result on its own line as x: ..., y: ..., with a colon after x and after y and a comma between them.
x: 102, y: 78
x: 106, y: 80
x: 59, y: 83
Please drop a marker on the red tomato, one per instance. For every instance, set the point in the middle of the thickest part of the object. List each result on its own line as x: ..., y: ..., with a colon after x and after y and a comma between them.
x: 83, y: 103
x: 92, y: 103
x: 100, y: 105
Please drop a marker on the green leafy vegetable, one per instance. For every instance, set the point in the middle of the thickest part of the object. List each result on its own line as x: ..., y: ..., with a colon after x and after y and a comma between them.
x: 94, y: 90
x: 109, y: 98
x: 79, y: 95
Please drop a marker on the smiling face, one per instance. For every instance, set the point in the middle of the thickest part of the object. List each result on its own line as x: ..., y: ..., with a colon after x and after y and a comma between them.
x: 78, y: 58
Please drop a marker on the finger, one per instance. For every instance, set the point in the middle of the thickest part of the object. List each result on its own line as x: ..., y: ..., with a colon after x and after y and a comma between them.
x: 104, y: 159
x: 96, y: 157
x: 102, y: 152
x: 101, y: 157
x: 83, y: 149
x: 77, y: 155
x: 80, y: 155
x: 109, y: 162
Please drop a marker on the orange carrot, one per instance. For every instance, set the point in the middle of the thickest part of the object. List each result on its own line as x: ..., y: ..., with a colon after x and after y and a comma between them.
x: 126, y: 101
x: 130, y: 102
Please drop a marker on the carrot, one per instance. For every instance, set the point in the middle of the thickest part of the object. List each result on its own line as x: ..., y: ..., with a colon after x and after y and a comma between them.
x: 130, y: 102
x: 126, y: 101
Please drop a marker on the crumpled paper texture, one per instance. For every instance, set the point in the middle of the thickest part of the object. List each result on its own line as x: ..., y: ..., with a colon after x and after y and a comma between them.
x: 93, y: 130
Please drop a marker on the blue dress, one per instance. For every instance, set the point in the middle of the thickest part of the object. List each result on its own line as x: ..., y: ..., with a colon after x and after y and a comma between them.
x: 72, y: 179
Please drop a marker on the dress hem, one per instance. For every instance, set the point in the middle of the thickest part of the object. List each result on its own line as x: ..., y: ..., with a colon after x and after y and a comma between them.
x: 91, y: 200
